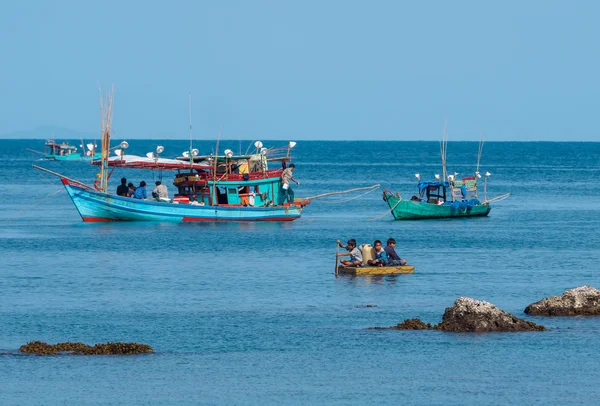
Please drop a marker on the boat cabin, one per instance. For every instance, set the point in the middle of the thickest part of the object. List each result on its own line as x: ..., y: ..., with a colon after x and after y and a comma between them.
x: 233, y: 181
x: 62, y: 150
x: 436, y: 192
x: 243, y: 180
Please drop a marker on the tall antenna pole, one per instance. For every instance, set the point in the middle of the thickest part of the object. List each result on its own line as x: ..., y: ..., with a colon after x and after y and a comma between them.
x: 190, y: 105
x: 479, y: 152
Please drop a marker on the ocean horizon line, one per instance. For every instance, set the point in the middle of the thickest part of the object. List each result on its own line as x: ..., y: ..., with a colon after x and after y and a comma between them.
x: 301, y: 140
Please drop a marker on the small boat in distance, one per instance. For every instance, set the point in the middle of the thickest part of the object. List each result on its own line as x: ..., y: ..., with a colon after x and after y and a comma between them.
x: 446, y: 196
x: 63, y: 151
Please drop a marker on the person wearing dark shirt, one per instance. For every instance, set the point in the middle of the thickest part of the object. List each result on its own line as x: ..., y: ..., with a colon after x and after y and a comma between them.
x: 393, y: 257
x: 123, y: 190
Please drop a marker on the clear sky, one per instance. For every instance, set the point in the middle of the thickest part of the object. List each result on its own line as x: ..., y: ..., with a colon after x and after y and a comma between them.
x: 339, y: 70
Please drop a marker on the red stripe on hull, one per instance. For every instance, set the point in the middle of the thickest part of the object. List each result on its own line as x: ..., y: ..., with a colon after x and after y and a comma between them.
x: 97, y: 220
x: 192, y: 219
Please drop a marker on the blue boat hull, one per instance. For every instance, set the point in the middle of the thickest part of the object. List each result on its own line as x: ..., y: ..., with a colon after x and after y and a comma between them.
x: 71, y: 157
x: 95, y: 206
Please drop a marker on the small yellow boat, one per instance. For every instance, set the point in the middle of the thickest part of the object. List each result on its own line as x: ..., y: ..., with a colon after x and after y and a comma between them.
x: 376, y: 270
x: 365, y: 269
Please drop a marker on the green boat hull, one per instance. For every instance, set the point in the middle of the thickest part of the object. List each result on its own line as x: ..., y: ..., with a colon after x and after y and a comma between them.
x: 413, y: 210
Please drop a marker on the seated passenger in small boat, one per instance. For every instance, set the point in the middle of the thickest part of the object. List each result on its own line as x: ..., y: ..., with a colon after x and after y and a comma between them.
x: 354, y: 253
x: 140, y: 192
x: 381, y: 258
x: 160, y: 192
x: 122, y: 189
x: 131, y: 190
x: 393, y: 258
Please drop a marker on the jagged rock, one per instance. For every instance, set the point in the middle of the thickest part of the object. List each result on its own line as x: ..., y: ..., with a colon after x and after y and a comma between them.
x: 42, y: 348
x: 470, y: 315
x: 580, y: 301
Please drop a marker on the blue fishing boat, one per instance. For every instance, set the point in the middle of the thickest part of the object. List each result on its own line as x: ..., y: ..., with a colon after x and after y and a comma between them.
x: 218, y: 188
x: 64, y: 151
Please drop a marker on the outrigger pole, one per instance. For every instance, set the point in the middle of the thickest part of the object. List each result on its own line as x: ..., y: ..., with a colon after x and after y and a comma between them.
x: 61, y: 176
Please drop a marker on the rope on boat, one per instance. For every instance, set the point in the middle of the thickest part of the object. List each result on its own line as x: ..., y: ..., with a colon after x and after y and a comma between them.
x: 387, y: 211
x: 348, y: 199
x: 343, y: 192
x: 496, y: 199
x: 32, y: 206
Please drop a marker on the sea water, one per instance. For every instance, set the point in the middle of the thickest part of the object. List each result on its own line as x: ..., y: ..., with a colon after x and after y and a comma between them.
x: 253, y: 313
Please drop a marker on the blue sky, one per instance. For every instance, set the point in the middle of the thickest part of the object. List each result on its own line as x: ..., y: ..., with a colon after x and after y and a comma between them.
x: 339, y: 70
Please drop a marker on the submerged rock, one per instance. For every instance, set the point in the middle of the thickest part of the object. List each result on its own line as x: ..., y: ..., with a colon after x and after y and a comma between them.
x: 580, y: 301
x: 408, y: 324
x: 118, y: 348
x: 470, y: 315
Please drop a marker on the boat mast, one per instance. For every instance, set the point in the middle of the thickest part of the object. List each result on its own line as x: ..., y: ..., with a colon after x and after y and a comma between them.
x: 190, y: 106
x: 443, y: 147
x: 106, y: 109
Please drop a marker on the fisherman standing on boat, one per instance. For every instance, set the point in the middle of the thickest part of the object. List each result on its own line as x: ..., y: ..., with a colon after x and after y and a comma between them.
x: 122, y: 189
x: 286, y: 177
x: 353, y: 252
x: 393, y: 257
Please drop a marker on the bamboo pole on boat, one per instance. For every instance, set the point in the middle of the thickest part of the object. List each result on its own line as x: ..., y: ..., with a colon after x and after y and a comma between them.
x: 106, y: 110
x: 33, y: 150
x: 343, y: 192
x: 501, y: 197
x: 215, y: 169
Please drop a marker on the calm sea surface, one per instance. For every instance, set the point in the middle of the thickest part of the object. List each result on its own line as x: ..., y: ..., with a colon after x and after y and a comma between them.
x: 253, y: 314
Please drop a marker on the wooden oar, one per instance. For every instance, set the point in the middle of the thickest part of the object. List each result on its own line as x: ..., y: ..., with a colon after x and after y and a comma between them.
x: 336, y: 258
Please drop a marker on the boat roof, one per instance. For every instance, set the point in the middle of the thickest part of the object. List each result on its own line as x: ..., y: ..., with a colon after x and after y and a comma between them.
x: 423, y: 184
x: 139, y: 162
x: 62, y: 145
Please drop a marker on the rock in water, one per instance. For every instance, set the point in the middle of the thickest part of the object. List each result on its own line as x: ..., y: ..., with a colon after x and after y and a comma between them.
x: 408, y: 324
x: 470, y: 315
x: 42, y: 348
x: 581, y: 301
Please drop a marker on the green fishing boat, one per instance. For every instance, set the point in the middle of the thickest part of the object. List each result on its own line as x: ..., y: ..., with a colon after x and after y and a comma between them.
x: 433, y: 204
x: 444, y: 197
